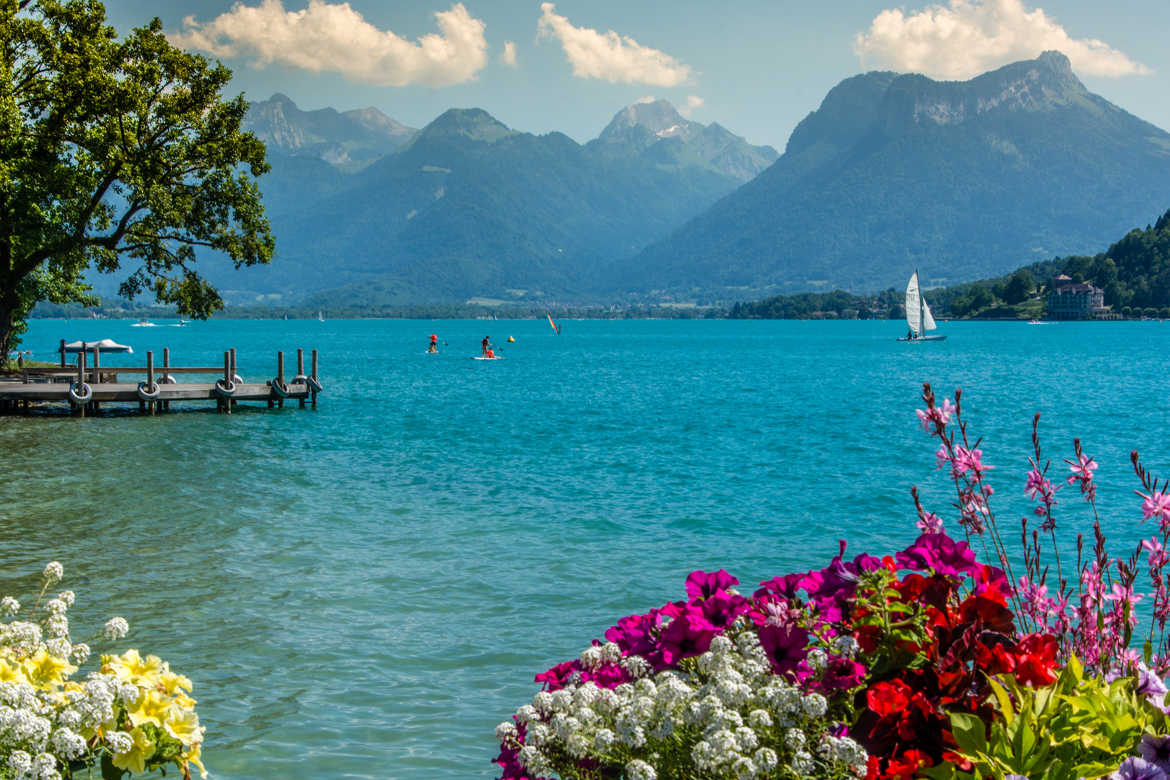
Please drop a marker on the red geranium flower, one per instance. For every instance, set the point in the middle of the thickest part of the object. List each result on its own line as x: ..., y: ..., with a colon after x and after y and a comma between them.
x: 904, y: 767
x: 889, y: 697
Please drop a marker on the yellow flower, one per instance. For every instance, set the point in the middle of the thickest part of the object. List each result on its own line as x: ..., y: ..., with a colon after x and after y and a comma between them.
x: 149, y: 707
x: 10, y: 673
x: 183, y: 701
x: 134, y: 759
x: 195, y: 756
x: 46, y: 671
x: 131, y: 667
x: 172, y: 682
x: 184, y: 726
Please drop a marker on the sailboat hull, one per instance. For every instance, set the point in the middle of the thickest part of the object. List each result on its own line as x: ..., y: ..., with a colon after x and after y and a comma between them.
x: 923, y: 338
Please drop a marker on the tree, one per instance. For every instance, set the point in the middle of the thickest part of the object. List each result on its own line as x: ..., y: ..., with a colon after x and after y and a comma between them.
x: 116, y: 150
x: 1019, y: 287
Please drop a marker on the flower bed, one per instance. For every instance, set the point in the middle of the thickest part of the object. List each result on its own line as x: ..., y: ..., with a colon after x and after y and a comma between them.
x: 926, y: 662
x: 129, y: 715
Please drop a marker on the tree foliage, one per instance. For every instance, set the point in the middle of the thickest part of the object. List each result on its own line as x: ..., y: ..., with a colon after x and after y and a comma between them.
x: 116, y: 150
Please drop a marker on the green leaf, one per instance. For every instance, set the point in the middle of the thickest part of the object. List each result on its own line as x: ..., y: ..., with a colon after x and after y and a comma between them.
x: 109, y: 771
x: 970, y: 732
x: 1004, y: 701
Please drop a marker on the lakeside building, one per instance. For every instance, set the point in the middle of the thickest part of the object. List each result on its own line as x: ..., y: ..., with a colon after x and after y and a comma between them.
x: 1071, y: 300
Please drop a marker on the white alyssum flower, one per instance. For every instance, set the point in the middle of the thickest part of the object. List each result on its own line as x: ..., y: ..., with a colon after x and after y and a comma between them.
x: 743, y: 768
x: 119, y: 742
x: 9, y: 606
x: 54, y: 572
x: 59, y: 647
x: 766, y: 759
x: 116, y: 628
x: 817, y: 659
x: 57, y: 626
x: 80, y: 653
x: 726, y: 710
x: 67, y: 744
x: 635, y: 665
x: 68, y: 597
x: 506, y: 731
x: 640, y: 770
x: 815, y: 705
x: 846, y: 646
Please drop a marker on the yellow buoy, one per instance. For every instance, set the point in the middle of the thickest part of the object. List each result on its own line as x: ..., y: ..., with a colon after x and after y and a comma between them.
x: 511, y: 340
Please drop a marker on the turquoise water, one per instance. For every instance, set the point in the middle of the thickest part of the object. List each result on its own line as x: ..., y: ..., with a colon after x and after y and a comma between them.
x: 366, y: 590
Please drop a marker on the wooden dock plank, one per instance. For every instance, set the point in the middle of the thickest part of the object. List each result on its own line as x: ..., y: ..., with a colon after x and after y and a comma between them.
x: 128, y: 393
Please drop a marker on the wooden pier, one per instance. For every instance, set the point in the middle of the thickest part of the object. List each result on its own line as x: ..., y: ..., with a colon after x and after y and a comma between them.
x: 83, y: 389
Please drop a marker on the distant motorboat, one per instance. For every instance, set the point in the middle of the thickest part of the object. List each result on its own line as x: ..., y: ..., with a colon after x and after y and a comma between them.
x: 1038, y: 322
x: 918, y: 316
x: 143, y: 324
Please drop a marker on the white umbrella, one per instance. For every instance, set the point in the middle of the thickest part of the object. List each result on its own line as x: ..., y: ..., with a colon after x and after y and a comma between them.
x: 105, y: 345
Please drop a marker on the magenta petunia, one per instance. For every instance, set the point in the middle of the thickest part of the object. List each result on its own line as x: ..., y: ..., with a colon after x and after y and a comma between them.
x: 704, y: 585
x: 785, y: 647
x: 939, y: 553
x: 688, y: 635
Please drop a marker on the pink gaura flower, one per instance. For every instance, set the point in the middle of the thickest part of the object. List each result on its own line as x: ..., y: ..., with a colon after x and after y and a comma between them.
x: 930, y: 523
x: 941, y: 456
x: 968, y: 460
x: 1121, y: 594
x: 1157, y: 504
x: 935, y: 417
x: 1158, y: 557
x: 1038, y: 484
x: 1082, y: 471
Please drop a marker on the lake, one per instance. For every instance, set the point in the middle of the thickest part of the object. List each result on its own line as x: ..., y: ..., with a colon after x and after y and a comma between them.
x: 367, y: 590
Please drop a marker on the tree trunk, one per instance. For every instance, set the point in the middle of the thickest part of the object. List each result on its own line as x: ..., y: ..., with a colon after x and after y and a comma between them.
x: 8, y: 304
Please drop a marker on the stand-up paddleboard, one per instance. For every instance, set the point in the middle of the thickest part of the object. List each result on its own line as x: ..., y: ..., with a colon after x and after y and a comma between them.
x: 481, y: 357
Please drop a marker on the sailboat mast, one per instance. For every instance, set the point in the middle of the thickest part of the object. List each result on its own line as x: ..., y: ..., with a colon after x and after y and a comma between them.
x: 921, y: 306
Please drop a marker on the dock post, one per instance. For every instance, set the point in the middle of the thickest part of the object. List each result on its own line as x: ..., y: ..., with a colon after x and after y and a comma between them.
x: 314, y: 375
x: 62, y: 348
x: 97, y: 376
x: 150, y: 381
x: 232, y: 352
x: 301, y: 370
x: 166, y: 405
x: 80, y: 411
x: 225, y: 404
x: 280, y: 374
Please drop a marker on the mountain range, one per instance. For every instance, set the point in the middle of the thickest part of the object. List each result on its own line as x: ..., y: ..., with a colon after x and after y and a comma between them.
x: 962, y: 180
x: 894, y: 172
x: 375, y: 213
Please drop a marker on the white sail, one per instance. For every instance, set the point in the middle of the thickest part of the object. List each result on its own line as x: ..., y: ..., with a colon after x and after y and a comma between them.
x: 927, y: 319
x: 913, y: 309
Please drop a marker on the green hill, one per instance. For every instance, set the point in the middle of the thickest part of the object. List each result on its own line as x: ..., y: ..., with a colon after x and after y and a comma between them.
x: 1134, y: 274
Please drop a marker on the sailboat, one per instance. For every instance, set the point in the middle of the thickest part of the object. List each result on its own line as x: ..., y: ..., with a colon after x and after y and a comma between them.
x: 918, y: 316
x: 320, y: 317
x: 556, y: 328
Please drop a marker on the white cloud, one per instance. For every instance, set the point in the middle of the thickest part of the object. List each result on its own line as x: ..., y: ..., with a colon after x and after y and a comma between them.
x: 643, y: 100
x: 334, y: 38
x: 694, y: 102
x: 967, y: 37
x: 609, y: 56
x: 508, y: 56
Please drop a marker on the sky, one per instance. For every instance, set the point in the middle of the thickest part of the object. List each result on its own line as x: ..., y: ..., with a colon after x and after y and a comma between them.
x: 757, y: 67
